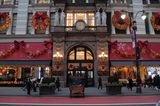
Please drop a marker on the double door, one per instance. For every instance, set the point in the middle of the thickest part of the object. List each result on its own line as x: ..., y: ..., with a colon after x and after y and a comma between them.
x: 81, y: 69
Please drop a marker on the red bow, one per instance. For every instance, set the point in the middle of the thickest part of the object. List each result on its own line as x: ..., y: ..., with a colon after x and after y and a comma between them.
x: 48, y: 44
x: 20, y: 44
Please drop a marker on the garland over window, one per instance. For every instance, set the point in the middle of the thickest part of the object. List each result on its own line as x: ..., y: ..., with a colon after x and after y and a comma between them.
x: 40, y: 21
x: 5, y: 21
x: 155, y: 21
x: 119, y: 23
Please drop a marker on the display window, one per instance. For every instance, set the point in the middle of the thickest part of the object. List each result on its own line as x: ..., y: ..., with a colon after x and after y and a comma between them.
x: 15, y: 75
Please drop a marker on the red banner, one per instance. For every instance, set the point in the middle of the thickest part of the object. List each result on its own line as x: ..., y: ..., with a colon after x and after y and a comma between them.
x: 125, y: 51
x: 26, y: 51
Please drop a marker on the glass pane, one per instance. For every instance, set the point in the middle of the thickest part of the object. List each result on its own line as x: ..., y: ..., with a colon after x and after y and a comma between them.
x: 7, y: 1
x: 90, y: 74
x: 81, y: 16
x: 89, y: 55
x: 80, y: 54
x: 72, y: 55
x: 42, y: 1
x: 91, y: 19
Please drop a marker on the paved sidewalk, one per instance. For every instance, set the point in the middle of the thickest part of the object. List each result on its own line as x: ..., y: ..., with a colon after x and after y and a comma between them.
x: 89, y: 92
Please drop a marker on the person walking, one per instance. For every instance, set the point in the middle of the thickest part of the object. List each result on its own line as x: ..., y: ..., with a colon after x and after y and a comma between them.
x: 28, y: 86
x: 130, y: 83
x: 58, y: 83
x: 99, y: 82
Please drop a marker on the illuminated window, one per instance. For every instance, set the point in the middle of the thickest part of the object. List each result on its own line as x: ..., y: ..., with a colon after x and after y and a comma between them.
x: 80, y: 54
x: 89, y: 55
x: 7, y: 2
x: 72, y: 55
x: 72, y: 18
x: 42, y: 1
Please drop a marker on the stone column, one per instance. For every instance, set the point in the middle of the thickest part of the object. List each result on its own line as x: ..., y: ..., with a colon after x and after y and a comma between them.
x: 113, y: 28
x: 151, y: 30
x: 10, y: 28
x: 22, y: 17
x: 138, y: 6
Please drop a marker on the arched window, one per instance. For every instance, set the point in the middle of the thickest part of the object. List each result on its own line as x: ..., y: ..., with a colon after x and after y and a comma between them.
x: 80, y: 53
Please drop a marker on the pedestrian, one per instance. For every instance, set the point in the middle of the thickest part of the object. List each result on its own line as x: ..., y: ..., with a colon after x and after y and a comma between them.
x: 99, y: 82
x: 35, y: 86
x: 28, y: 86
x: 130, y: 83
x: 58, y: 84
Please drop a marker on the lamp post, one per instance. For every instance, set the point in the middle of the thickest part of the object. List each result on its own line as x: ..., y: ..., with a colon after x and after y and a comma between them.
x: 137, y: 50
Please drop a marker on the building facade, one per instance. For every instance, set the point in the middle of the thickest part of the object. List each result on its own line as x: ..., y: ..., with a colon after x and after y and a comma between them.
x: 63, y: 38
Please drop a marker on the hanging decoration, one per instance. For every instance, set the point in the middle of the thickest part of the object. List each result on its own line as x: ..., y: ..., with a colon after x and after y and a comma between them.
x: 102, y: 67
x: 89, y: 66
x: 5, y: 21
x: 40, y: 21
x: 37, y: 53
x: 155, y: 21
x: 12, y: 49
x: 118, y: 23
x: 57, y: 68
x: 21, y: 45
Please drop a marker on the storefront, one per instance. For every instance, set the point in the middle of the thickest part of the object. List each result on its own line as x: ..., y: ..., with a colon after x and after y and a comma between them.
x: 19, y: 60
x: 123, y: 61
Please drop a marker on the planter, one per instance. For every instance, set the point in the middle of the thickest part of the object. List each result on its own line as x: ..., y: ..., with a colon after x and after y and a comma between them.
x: 113, y: 89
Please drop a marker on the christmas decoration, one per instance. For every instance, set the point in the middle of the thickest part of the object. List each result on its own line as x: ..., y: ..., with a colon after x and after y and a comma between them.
x: 118, y: 23
x: 40, y: 21
x: 155, y: 21
x: 5, y: 21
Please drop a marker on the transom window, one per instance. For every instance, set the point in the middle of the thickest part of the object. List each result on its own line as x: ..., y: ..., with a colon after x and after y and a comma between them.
x: 80, y: 53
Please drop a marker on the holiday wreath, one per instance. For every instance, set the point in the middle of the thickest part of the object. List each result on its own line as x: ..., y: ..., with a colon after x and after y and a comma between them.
x: 155, y: 21
x: 119, y: 23
x: 5, y: 21
x: 40, y: 21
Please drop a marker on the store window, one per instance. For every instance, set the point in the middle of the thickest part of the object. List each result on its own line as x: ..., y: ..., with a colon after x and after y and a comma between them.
x: 152, y: 71
x: 88, y: 18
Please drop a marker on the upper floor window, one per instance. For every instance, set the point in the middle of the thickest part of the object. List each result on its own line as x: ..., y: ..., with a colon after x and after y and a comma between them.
x: 6, y: 2
x: 154, y: 1
x: 42, y: 1
x: 88, y: 18
x: 39, y: 1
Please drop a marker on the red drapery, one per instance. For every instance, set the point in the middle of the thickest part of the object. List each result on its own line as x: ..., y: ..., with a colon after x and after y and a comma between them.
x: 28, y: 51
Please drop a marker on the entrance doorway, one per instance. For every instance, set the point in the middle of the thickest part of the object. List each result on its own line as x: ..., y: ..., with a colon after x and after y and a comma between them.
x: 80, y: 63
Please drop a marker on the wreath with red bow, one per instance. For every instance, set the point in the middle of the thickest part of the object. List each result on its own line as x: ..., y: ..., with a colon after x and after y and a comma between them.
x: 6, y: 21
x: 155, y: 21
x: 40, y: 21
x: 119, y: 23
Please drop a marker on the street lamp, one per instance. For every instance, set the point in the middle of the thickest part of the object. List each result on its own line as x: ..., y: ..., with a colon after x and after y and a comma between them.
x: 137, y: 50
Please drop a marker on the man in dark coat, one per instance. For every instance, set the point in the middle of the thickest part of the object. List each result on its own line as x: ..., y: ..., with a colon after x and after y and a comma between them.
x: 28, y: 85
x: 99, y: 82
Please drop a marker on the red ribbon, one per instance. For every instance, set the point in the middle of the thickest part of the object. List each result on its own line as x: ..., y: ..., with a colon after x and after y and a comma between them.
x: 48, y: 44
x: 19, y: 45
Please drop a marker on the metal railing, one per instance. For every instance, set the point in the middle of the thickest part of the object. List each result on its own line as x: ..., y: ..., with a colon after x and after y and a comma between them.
x: 86, y: 29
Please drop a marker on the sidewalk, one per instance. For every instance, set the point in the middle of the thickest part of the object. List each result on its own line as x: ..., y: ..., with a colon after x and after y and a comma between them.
x: 89, y: 92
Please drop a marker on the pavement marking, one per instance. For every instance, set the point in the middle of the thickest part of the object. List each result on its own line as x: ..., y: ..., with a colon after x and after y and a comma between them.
x: 34, y: 104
